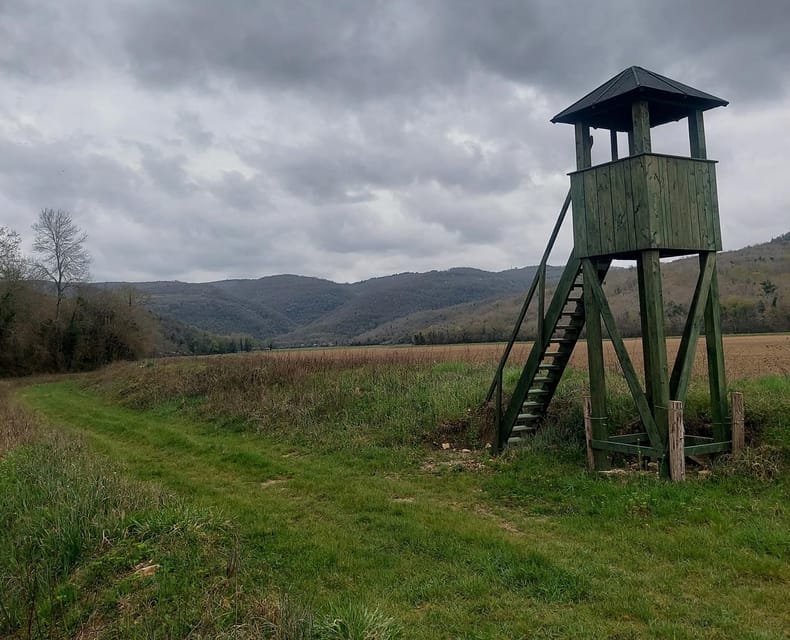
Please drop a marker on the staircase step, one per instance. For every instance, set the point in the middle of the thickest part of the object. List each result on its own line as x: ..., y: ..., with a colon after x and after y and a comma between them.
x: 523, y: 428
x: 565, y: 327
x: 512, y: 441
x: 531, y: 403
x: 538, y: 392
x: 550, y: 367
x: 542, y: 379
x: 528, y: 416
x: 562, y: 340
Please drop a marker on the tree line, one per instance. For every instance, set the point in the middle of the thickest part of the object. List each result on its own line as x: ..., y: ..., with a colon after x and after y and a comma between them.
x: 49, y: 320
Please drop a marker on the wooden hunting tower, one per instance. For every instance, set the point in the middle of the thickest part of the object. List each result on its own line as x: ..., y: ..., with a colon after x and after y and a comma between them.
x: 642, y: 207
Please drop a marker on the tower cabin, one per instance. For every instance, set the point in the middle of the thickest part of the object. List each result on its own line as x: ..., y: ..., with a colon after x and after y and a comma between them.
x: 642, y: 206
x: 643, y: 201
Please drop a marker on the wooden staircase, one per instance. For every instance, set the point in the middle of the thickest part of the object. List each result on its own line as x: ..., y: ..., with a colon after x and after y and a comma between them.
x: 558, y: 330
x: 543, y: 370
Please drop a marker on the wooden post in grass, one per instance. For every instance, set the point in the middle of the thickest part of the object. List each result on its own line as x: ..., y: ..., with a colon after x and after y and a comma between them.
x: 738, y: 435
x: 588, y: 432
x: 677, y: 457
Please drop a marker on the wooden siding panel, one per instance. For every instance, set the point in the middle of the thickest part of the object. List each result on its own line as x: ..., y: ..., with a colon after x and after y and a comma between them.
x: 579, y: 215
x: 606, y: 224
x: 641, y: 208
x: 714, y: 208
x: 631, y: 241
x: 655, y: 211
x: 667, y: 211
x: 703, y: 202
x: 591, y: 213
x: 689, y: 208
x: 620, y: 214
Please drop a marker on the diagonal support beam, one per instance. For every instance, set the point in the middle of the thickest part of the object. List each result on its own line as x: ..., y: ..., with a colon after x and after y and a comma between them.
x: 541, y: 271
x: 643, y: 407
x: 684, y: 361
x: 716, y: 375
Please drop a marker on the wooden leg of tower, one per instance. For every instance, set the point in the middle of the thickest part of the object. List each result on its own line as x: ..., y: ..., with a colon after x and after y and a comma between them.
x: 597, y: 373
x: 715, y: 349
x: 654, y: 341
x: 640, y: 279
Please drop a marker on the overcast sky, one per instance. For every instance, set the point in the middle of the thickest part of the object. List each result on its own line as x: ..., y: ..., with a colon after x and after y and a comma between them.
x: 201, y: 140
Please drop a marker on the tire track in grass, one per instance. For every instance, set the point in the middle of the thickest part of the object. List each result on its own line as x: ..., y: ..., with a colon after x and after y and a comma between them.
x: 327, y: 527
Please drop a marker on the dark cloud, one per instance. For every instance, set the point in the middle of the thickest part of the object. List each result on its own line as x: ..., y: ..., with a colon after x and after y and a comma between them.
x: 243, y: 194
x: 374, y: 50
x: 352, y: 138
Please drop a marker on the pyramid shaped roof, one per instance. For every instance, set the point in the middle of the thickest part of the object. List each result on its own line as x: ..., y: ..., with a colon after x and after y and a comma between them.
x: 609, y: 106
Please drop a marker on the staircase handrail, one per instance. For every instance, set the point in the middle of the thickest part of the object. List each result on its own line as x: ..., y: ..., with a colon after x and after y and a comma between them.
x: 538, y: 279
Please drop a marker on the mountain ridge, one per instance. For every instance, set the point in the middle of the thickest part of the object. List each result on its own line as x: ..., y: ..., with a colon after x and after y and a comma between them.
x: 457, y: 304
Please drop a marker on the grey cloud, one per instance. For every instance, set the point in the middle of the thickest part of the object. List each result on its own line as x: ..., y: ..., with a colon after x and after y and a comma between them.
x: 478, y: 221
x: 374, y: 50
x: 355, y: 137
x: 336, y: 169
x: 63, y: 174
x: 361, y: 229
x: 243, y: 194
x: 190, y: 125
x: 167, y: 171
x: 44, y: 42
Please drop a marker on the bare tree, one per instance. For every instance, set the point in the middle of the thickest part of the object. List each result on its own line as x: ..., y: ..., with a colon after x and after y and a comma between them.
x: 12, y: 264
x: 63, y: 258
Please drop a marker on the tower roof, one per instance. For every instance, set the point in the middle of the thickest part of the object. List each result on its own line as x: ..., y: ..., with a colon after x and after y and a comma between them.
x: 609, y: 106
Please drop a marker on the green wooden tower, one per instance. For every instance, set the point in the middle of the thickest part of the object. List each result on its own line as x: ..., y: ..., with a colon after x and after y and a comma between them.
x: 641, y: 207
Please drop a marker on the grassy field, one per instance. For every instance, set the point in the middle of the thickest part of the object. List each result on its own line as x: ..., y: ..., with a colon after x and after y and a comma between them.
x: 307, y: 495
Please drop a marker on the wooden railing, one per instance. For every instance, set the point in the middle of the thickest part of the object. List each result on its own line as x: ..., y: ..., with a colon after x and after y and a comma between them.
x: 538, y: 285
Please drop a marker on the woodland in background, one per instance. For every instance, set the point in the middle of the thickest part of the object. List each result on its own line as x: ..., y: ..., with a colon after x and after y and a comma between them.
x: 94, y: 324
x: 51, y: 320
x: 94, y: 327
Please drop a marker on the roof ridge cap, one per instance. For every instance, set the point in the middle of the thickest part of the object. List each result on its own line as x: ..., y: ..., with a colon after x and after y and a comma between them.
x: 675, y: 84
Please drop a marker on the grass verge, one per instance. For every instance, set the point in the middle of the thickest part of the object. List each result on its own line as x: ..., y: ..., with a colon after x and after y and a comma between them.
x: 338, y: 513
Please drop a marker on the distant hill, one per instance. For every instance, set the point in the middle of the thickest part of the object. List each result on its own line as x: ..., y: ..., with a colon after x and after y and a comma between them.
x: 754, y: 290
x: 459, y: 304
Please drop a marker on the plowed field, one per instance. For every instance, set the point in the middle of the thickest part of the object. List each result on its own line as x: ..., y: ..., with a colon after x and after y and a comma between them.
x: 745, y: 356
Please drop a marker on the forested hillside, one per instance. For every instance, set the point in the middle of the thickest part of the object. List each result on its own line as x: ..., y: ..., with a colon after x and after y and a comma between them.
x: 459, y: 305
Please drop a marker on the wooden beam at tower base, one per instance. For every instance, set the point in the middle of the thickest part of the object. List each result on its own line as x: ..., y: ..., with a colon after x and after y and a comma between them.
x: 738, y: 433
x: 653, y: 338
x: 595, y: 363
x: 677, y: 455
x: 588, y: 432
x: 715, y: 350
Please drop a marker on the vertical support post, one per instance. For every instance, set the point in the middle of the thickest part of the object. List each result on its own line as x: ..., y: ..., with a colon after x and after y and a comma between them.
x: 654, y: 340
x: 677, y: 457
x: 595, y: 366
x: 713, y: 340
x: 715, y: 350
x: 613, y: 143
x: 631, y: 144
x: 738, y: 435
x: 648, y: 367
x: 588, y: 432
x: 640, y: 114
x: 697, y: 135
x: 583, y: 146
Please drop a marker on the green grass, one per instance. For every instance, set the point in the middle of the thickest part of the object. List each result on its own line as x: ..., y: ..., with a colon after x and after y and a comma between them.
x: 344, y: 505
x: 74, y: 536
